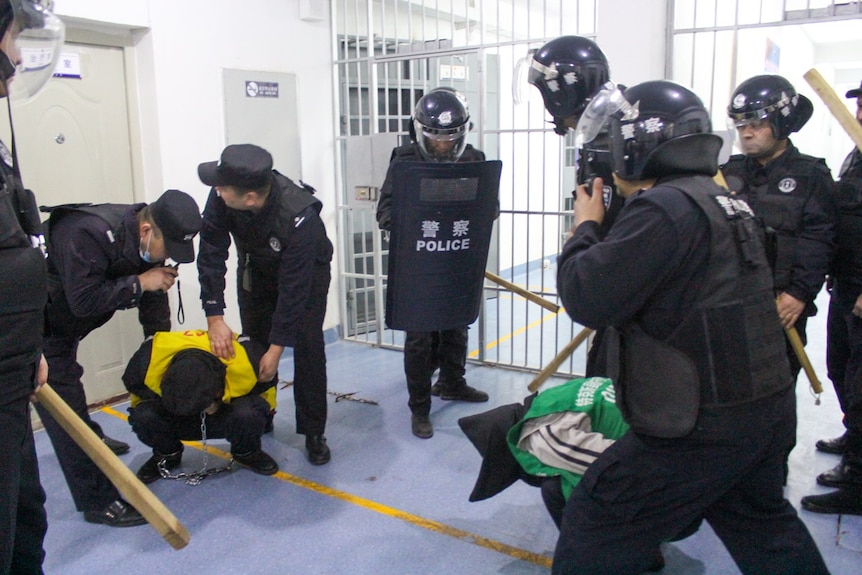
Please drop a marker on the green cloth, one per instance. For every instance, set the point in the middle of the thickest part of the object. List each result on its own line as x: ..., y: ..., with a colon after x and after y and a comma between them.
x: 594, y: 396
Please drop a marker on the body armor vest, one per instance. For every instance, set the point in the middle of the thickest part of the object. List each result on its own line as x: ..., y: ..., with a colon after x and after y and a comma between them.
x: 777, y: 199
x: 847, y: 265
x: 259, y: 247
x: 728, y: 350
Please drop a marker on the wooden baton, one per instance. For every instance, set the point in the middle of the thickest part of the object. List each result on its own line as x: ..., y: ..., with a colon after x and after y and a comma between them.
x: 555, y: 363
x: 835, y: 105
x: 550, y: 306
x: 127, y: 483
x: 799, y: 349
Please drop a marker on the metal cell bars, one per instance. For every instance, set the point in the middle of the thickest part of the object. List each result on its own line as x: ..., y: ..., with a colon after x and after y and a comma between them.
x: 715, y: 44
x: 384, y: 64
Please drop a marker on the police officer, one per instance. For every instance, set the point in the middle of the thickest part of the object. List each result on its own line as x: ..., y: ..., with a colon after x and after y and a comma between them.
x: 282, y: 277
x: 569, y: 72
x: 438, y: 131
x: 844, y: 341
x: 103, y: 258
x: 789, y: 190
x: 22, y: 298
x: 181, y: 390
x: 683, y: 283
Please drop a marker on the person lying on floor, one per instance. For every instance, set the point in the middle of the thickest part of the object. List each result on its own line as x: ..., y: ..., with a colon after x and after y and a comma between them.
x: 180, y: 391
x: 549, y: 441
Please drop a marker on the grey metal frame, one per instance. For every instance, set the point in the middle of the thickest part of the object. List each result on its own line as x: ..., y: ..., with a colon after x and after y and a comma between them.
x: 388, y: 52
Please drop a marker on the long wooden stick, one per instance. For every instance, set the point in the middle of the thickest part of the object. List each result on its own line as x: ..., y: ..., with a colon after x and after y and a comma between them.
x: 835, y: 105
x: 127, y: 483
x: 550, y: 306
x: 555, y: 363
x: 799, y: 349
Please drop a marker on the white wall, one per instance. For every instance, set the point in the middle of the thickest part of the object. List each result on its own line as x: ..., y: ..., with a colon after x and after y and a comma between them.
x: 180, y: 49
x: 632, y: 36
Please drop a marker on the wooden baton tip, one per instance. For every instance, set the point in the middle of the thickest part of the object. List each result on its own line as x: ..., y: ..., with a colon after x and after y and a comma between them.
x: 126, y: 482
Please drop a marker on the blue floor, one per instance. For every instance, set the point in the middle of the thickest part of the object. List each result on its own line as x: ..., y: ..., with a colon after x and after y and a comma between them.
x: 388, y: 502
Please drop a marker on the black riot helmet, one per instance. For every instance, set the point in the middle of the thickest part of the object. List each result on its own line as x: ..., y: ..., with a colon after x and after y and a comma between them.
x: 772, y: 98
x: 664, y: 130
x: 568, y: 71
x: 440, y: 126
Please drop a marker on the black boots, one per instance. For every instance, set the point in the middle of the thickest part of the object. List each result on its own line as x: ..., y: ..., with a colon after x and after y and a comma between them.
x: 318, y: 451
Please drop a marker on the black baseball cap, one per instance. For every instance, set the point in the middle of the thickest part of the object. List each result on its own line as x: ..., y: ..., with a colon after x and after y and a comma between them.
x: 854, y: 93
x: 177, y: 216
x: 193, y: 380
x: 244, y: 166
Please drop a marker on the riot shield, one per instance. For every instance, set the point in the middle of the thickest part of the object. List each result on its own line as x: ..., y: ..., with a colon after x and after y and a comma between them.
x: 442, y: 216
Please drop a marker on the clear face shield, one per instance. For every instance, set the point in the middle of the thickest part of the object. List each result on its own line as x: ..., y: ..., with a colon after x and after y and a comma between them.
x: 38, y: 37
x: 757, y: 120
x: 521, y: 88
x: 608, y: 101
x: 441, y: 145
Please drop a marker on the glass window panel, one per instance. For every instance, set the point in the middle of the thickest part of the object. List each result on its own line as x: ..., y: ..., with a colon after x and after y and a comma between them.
x: 722, y: 79
x: 520, y: 20
x: 683, y: 49
x: 704, y: 50
x: 683, y: 17
x: 586, y: 22
x: 771, y: 10
x: 725, y: 13
x: 704, y: 14
x: 749, y: 11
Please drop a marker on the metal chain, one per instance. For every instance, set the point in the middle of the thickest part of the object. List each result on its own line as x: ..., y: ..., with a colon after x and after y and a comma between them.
x: 195, y: 477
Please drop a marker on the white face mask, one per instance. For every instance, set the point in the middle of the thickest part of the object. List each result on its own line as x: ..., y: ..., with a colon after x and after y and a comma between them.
x: 145, y: 253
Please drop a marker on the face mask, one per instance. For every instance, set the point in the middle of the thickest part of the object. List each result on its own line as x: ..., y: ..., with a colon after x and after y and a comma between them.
x: 145, y: 253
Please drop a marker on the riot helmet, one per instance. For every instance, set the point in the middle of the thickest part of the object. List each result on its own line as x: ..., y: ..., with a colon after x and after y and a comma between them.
x: 771, y: 98
x: 568, y: 71
x: 658, y: 129
x: 38, y: 35
x: 440, y: 126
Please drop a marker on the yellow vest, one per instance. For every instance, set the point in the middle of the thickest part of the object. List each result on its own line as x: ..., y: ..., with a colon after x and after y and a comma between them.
x: 239, y: 378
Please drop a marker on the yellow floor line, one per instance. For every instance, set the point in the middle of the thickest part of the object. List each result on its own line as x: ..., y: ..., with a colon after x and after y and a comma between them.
x: 518, y: 331
x: 416, y: 520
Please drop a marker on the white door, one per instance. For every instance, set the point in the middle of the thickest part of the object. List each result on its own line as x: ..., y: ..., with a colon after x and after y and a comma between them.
x: 73, y: 146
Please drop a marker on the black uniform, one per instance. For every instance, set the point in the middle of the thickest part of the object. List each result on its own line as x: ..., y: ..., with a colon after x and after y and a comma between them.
x: 672, y: 280
x: 22, y: 299
x: 93, y: 264
x: 425, y: 351
x: 793, y: 196
x: 283, y: 277
x: 844, y: 330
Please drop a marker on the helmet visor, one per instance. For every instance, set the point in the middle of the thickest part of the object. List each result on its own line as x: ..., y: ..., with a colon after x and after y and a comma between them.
x: 605, y: 103
x: 39, y: 44
x: 736, y: 121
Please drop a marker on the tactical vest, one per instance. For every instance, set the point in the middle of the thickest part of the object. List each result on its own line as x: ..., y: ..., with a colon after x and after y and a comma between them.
x: 729, y: 349
x: 62, y: 322
x: 259, y: 248
x: 773, y: 200
x: 847, y: 264
x: 22, y: 291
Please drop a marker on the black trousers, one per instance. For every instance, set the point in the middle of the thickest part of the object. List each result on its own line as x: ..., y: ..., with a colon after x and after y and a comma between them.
x: 23, y: 522
x: 309, y: 355
x: 844, y: 365
x: 241, y: 422
x: 424, y: 352
x: 91, y: 489
x: 643, y: 491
